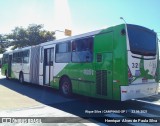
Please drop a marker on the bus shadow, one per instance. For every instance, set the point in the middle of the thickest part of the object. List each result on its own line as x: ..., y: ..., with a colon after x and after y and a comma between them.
x: 153, y: 98
x: 77, y: 105
x: 39, y: 93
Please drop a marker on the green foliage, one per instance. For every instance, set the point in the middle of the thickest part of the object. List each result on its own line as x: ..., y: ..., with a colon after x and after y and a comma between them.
x: 3, y: 43
x: 2, y: 49
x: 33, y: 35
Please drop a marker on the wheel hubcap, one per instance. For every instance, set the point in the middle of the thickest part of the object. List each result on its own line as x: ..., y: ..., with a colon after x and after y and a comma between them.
x: 65, y: 88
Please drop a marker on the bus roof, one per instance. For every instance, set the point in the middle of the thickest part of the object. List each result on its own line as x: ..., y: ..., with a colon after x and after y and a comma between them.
x: 72, y: 37
x: 92, y: 33
x: 17, y: 50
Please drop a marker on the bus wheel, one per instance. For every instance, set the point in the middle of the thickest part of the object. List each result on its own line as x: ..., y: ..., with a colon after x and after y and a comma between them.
x: 66, y: 87
x: 21, y: 79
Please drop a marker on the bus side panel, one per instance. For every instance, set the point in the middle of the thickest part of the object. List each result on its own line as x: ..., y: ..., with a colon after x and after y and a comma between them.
x: 120, y: 67
x: 103, y: 48
x: 81, y: 76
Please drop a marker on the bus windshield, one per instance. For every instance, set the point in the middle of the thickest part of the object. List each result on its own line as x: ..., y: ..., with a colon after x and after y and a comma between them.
x: 142, y: 41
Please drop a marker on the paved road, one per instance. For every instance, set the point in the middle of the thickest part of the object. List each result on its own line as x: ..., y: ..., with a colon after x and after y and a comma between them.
x: 26, y: 100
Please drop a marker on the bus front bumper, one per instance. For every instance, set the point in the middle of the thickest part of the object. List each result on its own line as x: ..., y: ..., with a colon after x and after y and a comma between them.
x: 138, y: 91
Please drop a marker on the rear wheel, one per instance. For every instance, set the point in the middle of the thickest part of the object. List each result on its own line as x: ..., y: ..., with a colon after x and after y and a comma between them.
x: 21, y: 79
x: 66, y: 87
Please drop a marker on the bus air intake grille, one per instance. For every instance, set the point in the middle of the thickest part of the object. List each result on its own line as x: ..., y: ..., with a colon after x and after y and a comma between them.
x: 101, y: 82
x: 99, y: 57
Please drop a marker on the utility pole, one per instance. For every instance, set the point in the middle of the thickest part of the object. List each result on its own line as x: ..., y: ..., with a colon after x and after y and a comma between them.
x: 66, y: 32
x: 123, y: 20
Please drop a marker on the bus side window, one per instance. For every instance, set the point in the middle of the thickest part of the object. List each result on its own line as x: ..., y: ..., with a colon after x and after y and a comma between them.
x: 5, y: 59
x: 73, y: 46
x: 19, y: 59
x: 42, y: 54
x: 82, y: 50
x: 63, y: 52
x: 14, y: 58
x: 26, y: 56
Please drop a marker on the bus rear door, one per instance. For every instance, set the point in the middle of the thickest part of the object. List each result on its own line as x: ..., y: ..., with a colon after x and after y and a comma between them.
x: 48, y: 65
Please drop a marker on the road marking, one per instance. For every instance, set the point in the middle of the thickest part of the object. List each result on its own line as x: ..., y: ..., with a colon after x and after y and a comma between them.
x: 157, y: 103
x: 156, y: 108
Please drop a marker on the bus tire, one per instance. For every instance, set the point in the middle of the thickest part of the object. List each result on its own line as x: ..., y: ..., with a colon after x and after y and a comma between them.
x: 66, y: 87
x: 21, y: 78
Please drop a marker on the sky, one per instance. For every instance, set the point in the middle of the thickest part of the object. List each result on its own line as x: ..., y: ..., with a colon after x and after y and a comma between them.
x: 80, y: 16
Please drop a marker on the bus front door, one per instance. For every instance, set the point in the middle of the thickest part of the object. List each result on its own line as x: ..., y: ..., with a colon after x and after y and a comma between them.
x: 48, y: 65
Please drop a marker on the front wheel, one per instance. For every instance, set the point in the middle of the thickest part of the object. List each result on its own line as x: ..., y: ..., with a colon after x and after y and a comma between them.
x: 21, y: 79
x: 66, y: 87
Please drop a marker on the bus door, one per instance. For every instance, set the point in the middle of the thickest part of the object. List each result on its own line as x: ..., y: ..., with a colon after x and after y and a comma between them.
x: 103, y: 45
x: 48, y: 65
x: 9, y: 65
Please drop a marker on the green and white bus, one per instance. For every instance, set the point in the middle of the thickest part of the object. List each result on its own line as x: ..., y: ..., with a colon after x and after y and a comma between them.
x: 118, y: 63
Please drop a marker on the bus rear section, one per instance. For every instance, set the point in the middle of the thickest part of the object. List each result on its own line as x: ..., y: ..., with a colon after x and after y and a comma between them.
x: 143, y: 56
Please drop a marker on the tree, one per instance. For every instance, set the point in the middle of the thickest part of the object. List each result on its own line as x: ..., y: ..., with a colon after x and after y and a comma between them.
x: 2, y: 48
x: 19, y: 37
x: 33, y: 35
x: 3, y: 38
x: 2, y: 43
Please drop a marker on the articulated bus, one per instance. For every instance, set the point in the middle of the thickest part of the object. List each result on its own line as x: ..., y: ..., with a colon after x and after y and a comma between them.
x: 117, y: 63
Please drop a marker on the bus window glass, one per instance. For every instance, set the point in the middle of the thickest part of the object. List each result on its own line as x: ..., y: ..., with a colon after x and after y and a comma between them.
x: 19, y: 58
x: 82, y: 50
x: 14, y: 58
x: 52, y: 55
x: 63, y: 52
x: 62, y: 48
x: 5, y: 58
x: 26, y: 56
x: 142, y: 41
x: 42, y: 52
x: 48, y: 57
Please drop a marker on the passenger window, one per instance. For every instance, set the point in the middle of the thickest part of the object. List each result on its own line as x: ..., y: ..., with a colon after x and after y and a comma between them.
x: 82, y: 50
x: 26, y: 56
x: 5, y: 58
x: 63, y: 52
